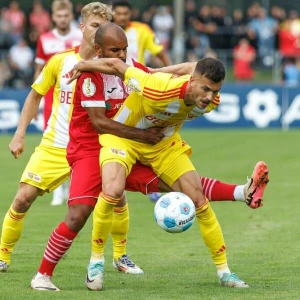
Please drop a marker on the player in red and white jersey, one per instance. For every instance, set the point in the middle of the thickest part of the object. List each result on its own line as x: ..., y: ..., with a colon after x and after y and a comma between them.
x: 59, y: 39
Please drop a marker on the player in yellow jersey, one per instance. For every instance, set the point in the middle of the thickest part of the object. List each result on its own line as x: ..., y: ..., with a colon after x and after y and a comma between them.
x: 48, y: 166
x: 140, y: 36
x: 165, y: 101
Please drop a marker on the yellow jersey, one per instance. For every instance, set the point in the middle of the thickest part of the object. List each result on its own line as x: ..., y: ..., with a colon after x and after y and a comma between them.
x: 56, y: 73
x: 141, y: 38
x: 157, y: 100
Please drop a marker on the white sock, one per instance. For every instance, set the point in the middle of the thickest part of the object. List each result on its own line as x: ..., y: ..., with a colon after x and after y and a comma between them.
x: 238, y: 193
x: 38, y: 275
x: 221, y: 272
x: 58, y: 193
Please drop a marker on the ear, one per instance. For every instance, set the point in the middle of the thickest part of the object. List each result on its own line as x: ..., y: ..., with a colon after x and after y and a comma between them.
x: 98, y: 50
x: 81, y: 26
x: 192, y: 81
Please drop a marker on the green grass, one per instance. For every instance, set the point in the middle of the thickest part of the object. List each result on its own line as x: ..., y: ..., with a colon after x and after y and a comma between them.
x: 262, y: 244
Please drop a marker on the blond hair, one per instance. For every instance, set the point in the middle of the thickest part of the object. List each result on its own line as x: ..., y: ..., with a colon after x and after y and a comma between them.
x: 97, y: 9
x: 61, y: 4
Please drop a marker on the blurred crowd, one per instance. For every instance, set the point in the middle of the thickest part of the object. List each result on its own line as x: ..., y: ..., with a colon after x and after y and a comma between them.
x: 252, y: 37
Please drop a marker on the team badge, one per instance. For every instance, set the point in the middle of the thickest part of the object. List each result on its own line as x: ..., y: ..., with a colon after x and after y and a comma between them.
x: 88, y: 87
x: 134, y: 84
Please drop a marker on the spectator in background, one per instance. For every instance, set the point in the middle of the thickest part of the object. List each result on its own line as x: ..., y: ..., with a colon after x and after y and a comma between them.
x: 20, y: 58
x: 62, y: 37
x: 6, y: 37
x: 264, y: 28
x: 204, y: 26
x: 147, y: 15
x: 140, y: 36
x: 243, y: 58
x: 238, y: 27
x: 289, y: 35
x: 189, y: 16
x: 278, y: 13
x: 17, y: 19
x: 252, y: 12
x: 39, y: 18
x: 290, y: 72
x: 5, y: 74
x: 163, y: 25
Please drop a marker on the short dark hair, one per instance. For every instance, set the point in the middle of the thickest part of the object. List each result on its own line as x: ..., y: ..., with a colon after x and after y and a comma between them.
x: 211, y: 68
x: 121, y: 3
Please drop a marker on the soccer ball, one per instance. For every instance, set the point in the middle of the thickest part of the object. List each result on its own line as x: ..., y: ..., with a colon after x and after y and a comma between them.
x: 174, y: 212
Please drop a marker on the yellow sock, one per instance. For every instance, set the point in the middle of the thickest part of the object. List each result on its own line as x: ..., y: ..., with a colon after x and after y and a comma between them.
x: 212, y: 234
x: 102, y: 221
x: 11, y: 232
x: 119, y: 230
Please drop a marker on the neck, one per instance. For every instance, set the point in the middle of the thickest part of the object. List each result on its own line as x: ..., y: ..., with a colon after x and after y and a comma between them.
x: 87, y: 51
x: 63, y: 32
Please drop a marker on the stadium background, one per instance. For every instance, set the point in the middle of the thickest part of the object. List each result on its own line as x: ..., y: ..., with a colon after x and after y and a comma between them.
x: 262, y: 100
x: 262, y: 245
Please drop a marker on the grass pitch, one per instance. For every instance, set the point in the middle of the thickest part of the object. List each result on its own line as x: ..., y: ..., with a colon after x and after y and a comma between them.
x: 263, y: 247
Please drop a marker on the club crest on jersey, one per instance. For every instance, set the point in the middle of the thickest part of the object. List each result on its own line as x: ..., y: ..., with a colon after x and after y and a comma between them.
x: 88, y: 87
x: 134, y: 84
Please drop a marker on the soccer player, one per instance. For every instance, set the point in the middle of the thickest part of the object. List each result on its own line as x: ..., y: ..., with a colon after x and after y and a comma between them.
x: 165, y: 101
x: 139, y: 35
x: 97, y: 98
x: 61, y: 38
x: 83, y: 157
x: 48, y: 166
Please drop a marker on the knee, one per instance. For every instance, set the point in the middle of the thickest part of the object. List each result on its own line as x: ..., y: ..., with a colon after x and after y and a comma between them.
x: 24, y: 198
x: 77, y: 217
x: 197, y: 196
x: 113, y: 189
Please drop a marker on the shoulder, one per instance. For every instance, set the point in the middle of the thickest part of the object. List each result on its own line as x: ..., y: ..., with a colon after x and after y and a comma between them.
x: 140, y: 26
x: 59, y: 57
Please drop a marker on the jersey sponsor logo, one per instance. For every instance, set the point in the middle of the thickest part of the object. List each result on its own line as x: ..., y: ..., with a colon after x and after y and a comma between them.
x: 112, y: 89
x: 88, y: 87
x: 34, y: 177
x: 134, y: 84
x: 118, y: 106
x: 66, y: 97
x: 68, y: 75
x: 118, y: 152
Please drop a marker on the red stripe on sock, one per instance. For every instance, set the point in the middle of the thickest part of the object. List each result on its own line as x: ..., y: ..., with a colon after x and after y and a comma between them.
x: 216, y: 190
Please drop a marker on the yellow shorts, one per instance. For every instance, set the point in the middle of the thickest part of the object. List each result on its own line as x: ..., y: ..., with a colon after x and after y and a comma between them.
x: 169, y: 159
x: 47, y: 168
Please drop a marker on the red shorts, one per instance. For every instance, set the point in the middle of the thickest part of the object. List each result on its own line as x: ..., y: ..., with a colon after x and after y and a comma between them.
x: 86, y: 182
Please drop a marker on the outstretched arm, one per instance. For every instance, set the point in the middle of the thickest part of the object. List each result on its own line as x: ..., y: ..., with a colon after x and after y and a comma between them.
x: 180, y: 69
x: 110, y: 66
